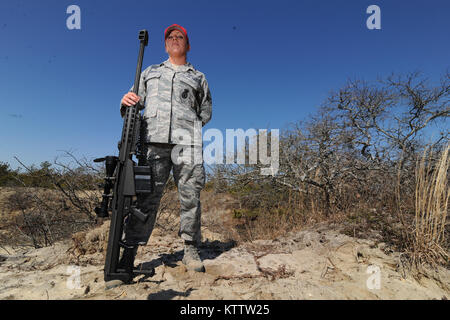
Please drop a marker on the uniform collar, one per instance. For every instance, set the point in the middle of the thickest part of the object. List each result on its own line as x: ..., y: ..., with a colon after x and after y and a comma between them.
x: 182, y: 68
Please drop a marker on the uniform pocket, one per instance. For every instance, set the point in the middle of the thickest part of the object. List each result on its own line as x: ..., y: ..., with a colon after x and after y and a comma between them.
x: 191, y: 82
x: 151, y: 109
x: 186, y: 94
x: 152, y: 83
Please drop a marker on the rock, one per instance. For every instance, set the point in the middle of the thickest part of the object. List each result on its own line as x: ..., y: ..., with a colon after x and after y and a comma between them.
x: 234, y: 263
x: 312, y: 239
x: 113, y: 284
x: 208, y: 235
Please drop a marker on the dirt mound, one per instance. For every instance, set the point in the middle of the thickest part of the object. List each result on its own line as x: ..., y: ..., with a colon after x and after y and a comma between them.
x: 317, y: 263
x: 89, y: 247
x: 311, y: 264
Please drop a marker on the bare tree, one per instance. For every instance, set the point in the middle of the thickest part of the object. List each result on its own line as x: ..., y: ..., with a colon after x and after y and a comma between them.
x: 388, y: 116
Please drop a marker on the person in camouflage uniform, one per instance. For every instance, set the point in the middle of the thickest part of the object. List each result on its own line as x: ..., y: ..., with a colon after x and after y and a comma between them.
x: 177, y: 104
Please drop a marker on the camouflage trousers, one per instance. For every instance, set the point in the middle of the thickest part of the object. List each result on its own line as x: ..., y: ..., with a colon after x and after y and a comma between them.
x: 189, y: 178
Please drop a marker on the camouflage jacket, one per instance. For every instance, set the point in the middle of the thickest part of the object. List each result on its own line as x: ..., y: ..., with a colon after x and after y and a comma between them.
x: 177, y: 103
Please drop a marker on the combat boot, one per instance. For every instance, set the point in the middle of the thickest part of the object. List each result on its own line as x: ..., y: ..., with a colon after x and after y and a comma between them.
x: 191, y: 258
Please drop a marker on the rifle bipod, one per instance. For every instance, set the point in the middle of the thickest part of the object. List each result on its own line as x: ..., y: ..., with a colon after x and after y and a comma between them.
x: 110, y: 163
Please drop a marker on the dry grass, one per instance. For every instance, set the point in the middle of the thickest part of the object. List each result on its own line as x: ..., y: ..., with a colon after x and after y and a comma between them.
x: 39, y: 217
x: 432, y: 194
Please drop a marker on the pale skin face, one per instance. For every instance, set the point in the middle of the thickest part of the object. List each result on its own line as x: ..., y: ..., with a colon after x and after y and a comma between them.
x: 176, y: 48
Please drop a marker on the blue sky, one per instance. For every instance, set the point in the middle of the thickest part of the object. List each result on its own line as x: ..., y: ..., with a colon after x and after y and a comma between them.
x: 268, y: 63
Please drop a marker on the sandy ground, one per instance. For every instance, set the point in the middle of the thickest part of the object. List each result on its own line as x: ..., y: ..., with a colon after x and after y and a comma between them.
x: 312, y: 264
